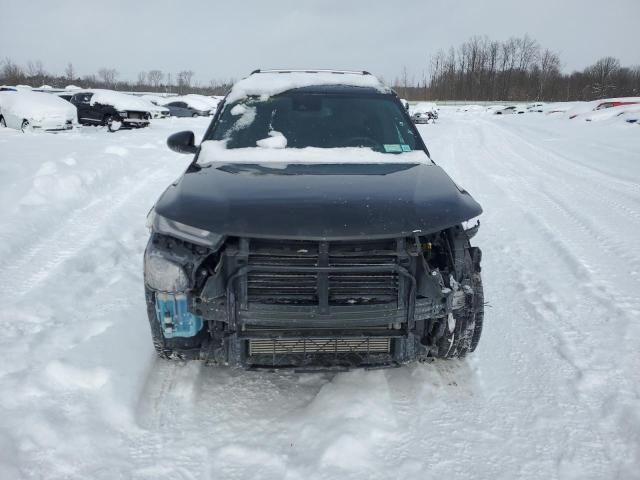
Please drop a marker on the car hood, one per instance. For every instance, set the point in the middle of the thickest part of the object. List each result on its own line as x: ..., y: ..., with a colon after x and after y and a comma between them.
x: 317, y: 201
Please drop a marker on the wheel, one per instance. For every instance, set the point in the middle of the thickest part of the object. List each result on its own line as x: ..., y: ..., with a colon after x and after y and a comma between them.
x: 462, y: 332
x: 25, y: 125
x: 171, y: 348
x: 195, y: 115
x: 112, y: 124
x: 3, y: 124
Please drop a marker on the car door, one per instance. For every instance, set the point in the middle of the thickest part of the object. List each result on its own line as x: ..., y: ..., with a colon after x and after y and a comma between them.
x: 179, y: 109
x: 82, y: 101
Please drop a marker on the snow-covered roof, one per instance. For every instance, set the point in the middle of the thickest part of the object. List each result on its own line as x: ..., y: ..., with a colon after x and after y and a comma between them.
x: 266, y: 84
x: 118, y: 100
x: 35, y: 105
x: 72, y: 87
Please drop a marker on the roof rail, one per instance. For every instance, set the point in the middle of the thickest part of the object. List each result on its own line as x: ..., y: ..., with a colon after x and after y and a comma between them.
x: 319, y: 70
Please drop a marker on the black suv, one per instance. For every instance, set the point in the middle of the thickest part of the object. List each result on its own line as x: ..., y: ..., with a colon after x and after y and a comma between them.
x: 312, y: 229
x: 114, y: 110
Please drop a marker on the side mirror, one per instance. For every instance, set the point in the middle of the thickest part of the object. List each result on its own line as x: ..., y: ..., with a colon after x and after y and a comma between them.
x: 182, y: 142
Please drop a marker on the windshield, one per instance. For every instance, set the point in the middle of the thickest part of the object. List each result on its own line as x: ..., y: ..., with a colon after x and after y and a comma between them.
x: 299, y: 120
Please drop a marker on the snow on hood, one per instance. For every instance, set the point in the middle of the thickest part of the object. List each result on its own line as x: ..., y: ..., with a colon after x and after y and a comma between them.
x: 271, y: 83
x: 36, y: 105
x: 154, y: 103
x: 120, y: 101
x: 270, y: 152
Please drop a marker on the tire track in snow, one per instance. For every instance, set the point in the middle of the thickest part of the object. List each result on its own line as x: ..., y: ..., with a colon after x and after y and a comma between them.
x: 78, y: 232
x: 569, y: 246
x: 598, y: 179
x: 564, y: 317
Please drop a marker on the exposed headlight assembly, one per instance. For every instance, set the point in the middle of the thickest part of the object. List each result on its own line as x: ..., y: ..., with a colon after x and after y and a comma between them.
x: 163, y: 275
x: 123, y: 114
x: 163, y: 225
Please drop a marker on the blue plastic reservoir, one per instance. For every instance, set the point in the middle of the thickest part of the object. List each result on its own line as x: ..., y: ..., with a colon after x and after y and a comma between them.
x: 174, y: 316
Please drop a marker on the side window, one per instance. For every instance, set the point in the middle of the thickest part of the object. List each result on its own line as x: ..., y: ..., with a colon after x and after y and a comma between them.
x: 83, y: 98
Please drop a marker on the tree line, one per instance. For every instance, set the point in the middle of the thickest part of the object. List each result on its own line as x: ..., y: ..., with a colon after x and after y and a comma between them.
x: 518, y: 69
x: 35, y: 75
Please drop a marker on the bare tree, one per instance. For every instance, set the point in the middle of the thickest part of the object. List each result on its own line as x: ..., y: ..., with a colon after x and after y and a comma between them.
x: 11, y: 72
x: 549, y: 70
x: 155, y: 78
x: 142, y: 79
x: 36, y: 72
x: 108, y: 76
x: 184, y: 80
x: 602, y: 76
x: 70, y: 72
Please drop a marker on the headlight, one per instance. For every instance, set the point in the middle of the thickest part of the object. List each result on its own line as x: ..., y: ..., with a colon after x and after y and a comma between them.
x: 123, y: 114
x: 163, y: 225
x: 163, y: 275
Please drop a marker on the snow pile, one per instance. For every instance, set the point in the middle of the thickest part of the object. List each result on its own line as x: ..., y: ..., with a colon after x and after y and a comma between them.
x: 35, y: 105
x: 274, y: 140
x: 579, y: 109
x: 472, y: 108
x: 612, y: 113
x: 118, y: 100
x: 272, y: 150
x: 72, y: 87
x: 156, y: 99
x: 272, y: 83
x: 212, y: 102
x: 423, y: 107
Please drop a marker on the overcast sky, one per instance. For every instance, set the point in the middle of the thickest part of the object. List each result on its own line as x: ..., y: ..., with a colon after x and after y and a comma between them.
x: 222, y: 40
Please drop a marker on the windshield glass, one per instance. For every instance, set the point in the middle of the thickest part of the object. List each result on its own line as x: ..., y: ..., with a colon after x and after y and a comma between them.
x: 299, y: 120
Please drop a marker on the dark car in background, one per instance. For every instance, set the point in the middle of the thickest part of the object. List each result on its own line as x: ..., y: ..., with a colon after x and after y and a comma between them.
x: 312, y: 230
x: 114, y: 110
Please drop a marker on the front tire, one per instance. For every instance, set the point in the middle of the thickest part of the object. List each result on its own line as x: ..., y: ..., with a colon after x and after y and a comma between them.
x: 195, y: 115
x: 187, y: 348
x: 111, y: 123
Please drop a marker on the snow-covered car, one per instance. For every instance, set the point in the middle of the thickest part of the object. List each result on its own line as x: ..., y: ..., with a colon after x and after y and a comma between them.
x: 615, y: 103
x: 115, y: 110
x: 511, y: 110
x: 212, y: 102
x: 27, y: 110
x: 312, y: 229
x: 537, y: 107
x: 157, y: 109
x: 424, y: 112
x: 186, y: 106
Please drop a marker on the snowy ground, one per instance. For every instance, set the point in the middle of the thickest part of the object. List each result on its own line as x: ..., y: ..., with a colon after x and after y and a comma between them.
x: 553, y: 391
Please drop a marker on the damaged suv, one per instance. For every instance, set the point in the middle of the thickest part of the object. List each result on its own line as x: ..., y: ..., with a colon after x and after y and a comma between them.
x: 312, y: 229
